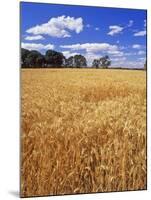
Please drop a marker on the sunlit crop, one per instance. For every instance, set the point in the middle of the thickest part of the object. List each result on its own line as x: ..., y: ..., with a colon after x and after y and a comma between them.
x: 82, y: 131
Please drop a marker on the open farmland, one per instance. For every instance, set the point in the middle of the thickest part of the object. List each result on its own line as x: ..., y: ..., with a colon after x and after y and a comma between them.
x: 82, y: 131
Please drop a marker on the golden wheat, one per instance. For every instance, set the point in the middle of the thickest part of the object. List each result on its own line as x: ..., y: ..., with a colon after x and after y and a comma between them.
x: 83, y: 130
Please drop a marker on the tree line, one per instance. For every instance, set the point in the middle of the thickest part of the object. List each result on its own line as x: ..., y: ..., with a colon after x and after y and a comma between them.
x: 55, y: 59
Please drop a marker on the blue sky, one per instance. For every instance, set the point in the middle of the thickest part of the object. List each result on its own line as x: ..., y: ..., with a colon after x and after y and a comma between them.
x: 90, y: 31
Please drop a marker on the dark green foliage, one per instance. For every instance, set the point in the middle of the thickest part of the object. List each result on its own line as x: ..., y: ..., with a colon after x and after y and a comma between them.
x: 24, y: 54
x: 77, y: 61
x: 80, y: 61
x: 69, y: 62
x: 103, y: 62
x: 54, y: 58
x: 32, y: 59
x: 95, y: 63
x: 41, y: 61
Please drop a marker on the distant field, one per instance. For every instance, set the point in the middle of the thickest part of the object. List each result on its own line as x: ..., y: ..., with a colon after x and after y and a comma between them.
x: 83, y: 130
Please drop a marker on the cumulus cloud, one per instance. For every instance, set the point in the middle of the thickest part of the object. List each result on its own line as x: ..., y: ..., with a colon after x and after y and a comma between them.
x: 135, y: 64
x: 88, y: 25
x: 58, y: 27
x: 91, y: 47
x: 141, y: 52
x: 136, y: 46
x: 94, y: 50
x: 67, y: 54
x: 116, y: 53
x: 128, y: 53
x: 118, y: 59
x: 142, y: 59
x: 115, y: 30
x: 143, y: 32
x: 35, y: 37
x: 35, y: 46
x: 90, y: 56
x: 128, y: 64
x: 97, y: 29
x: 140, y: 33
x: 145, y: 23
x: 131, y: 22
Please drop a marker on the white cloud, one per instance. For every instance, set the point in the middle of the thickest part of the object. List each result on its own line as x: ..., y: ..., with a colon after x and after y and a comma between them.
x: 142, y: 59
x: 58, y: 27
x: 35, y: 37
x: 130, y: 54
x: 118, y: 59
x: 143, y: 32
x: 94, y: 50
x: 141, y: 52
x: 67, y: 54
x: 35, y: 46
x: 145, y: 23
x: 123, y: 47
x: 91, y: 47
x: 88, y: 25
x: 115, y: 30
x: 97, y: 29
x: 116, y: 53
x: 128, y: 64
x: 130, y: 23
x: 136, y: 46
x: 135, y: 64
x: 140, y: 33
x: 90, y: 56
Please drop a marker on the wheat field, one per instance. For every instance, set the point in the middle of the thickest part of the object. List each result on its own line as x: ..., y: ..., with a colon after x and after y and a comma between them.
x: 82, y: 131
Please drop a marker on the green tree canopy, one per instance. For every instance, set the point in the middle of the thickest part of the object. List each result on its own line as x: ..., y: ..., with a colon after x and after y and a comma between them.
x: 54, y: 58
x: 80, y: 61
x: 32, y: 58
x: 103, y: 62
x: 24, y: 54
